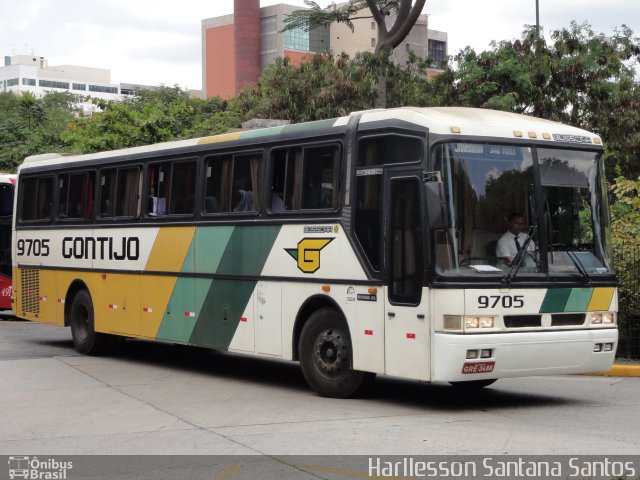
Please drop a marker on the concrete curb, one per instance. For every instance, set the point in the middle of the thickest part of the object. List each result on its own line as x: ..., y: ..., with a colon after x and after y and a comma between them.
x: 620, y: 370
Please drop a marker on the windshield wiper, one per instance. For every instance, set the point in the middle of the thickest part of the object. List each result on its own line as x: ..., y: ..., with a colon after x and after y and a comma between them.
x: 517, y: 261
x: 583, y: 271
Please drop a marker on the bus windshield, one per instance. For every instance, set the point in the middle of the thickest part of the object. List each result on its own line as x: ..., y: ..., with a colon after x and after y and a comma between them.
x: 496, y: 208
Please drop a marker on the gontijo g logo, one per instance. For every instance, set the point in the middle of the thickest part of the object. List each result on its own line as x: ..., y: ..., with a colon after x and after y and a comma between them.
x: 308, y: 253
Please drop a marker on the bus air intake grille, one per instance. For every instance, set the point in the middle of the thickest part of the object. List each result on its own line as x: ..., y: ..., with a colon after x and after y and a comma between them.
x: 522, y: 321
x: 30, y: 287
x: 567, y: 319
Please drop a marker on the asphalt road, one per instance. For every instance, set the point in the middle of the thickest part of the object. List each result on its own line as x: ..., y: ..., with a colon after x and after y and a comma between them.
x: 161, y: 399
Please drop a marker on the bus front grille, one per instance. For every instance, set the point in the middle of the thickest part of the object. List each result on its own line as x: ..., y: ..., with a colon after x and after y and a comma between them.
x: 567, y: 319
x: 522, y: 321
x: 30, y: 288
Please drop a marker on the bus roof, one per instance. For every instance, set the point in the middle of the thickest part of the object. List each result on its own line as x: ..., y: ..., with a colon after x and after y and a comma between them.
x: 439, y: 120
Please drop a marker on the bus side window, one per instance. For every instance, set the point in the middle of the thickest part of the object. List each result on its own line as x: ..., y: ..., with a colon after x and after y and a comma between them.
x: 305, y: 179
x: 37, y: 199
x: 120, y: 191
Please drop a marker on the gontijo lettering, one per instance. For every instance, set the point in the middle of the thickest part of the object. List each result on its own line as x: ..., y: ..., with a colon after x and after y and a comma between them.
x: 101, y: 248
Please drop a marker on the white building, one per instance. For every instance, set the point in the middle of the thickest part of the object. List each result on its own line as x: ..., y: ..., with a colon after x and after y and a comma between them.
x: 30, y: 73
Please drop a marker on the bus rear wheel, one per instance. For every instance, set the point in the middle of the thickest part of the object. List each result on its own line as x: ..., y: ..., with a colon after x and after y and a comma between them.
x: 81, y: 319
x: 326, y: 356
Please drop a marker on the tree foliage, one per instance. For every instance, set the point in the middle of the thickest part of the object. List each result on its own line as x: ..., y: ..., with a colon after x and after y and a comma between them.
x: 164, y: 114
x: 31, y: 125
x: 406, y: 13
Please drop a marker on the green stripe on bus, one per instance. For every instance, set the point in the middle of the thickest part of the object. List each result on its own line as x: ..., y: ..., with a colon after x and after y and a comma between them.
x: 246, y: 253
x: 220, y: 314
x: 177, y: 322
x: 555, y: 300
x: 247, y: 249
x: 578, y: 300
x: 210, y: 244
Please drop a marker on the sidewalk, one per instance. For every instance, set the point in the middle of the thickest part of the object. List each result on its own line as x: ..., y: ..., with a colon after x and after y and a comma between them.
x: 622, y: 368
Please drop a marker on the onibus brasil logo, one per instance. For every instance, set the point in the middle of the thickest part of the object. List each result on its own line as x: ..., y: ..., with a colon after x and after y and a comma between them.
x: 33, y: 468
x: 308, y: 253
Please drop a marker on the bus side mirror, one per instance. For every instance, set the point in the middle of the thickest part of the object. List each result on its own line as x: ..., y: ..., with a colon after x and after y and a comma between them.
x: 437, y: 209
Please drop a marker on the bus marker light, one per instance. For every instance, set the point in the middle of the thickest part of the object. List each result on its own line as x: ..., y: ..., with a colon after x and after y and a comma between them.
x: 452, y: 322
x: 608, y: 347
x: 113, y: 307
x: 533, y: 135
x: 368, y: 332
x: 373, y: 291
x: 147, y: 310
x: 471, y: 354
x: 189, y: 314
x: 597, y: 140
x: 597, y: 347
x: 43, y: 299
x: 455, y: 129
x: 61, y: 300
x: 104, y: 275
x: 243, y: 319
x: 517, y: 133
x: 546, y: 136
x: 326, y: 288
x: 485, y: 353
x: 411, y: 335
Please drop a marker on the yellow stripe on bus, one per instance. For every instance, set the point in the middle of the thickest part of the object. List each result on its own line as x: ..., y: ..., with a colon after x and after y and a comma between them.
x: 601, y: 299
x: 169, y: 249
x: 225, y: 137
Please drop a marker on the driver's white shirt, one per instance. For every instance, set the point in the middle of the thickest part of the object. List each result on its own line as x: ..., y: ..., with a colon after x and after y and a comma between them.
x: 506, y: 246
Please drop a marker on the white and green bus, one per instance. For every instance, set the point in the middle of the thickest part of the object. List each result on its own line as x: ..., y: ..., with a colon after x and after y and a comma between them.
x: 357, y: 246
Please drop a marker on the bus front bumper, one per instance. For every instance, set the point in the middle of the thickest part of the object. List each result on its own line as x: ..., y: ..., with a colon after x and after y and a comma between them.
x: 519, y: 354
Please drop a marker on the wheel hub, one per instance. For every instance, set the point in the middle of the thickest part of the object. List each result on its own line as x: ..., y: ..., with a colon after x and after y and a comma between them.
x: 330, y: 353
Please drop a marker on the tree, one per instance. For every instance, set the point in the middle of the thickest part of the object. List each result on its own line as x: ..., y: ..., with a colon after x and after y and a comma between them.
x: 30, y: 125
x: 580, y: 78
x: 153, y: 116
x: 323, y: 87
x: 406, y: 14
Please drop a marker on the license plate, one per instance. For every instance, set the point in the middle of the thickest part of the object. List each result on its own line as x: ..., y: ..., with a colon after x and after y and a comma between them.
x: 478, y: 367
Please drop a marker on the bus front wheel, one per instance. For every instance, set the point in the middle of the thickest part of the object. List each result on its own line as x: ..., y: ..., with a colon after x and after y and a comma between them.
x: 81, y: 319
x: 326, y: 356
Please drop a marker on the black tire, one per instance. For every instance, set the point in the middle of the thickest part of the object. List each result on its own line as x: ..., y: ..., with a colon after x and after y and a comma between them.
x: 326, y: 356
x: 474, y: 384
x: 81, y: 320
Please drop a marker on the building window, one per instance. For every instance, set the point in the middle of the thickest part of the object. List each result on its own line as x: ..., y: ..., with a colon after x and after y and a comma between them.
x: 80, y: 86
x: 53, y: 84
x: 373, y: 25
x: 29, y: 81
x: 103, y: 89
x: 408, y: 48
x: 437, y: 50
x: 12, y: 82
x: 373, y: 42
x: 296, y: 39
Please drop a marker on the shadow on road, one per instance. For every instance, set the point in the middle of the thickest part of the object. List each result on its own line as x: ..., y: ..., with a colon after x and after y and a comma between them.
x: 287, y: 375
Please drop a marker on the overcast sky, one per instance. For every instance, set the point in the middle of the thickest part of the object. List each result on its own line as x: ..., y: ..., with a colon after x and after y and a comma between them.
x: 158, y: 41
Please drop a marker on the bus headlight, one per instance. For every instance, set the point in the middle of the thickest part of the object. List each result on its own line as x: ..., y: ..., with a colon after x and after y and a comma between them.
x: 478, y: 322
x: 605, y: 318
x: 457, y: 322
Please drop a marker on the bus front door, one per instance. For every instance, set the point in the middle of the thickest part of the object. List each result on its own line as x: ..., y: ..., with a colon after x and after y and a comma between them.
x: 406, y: 307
